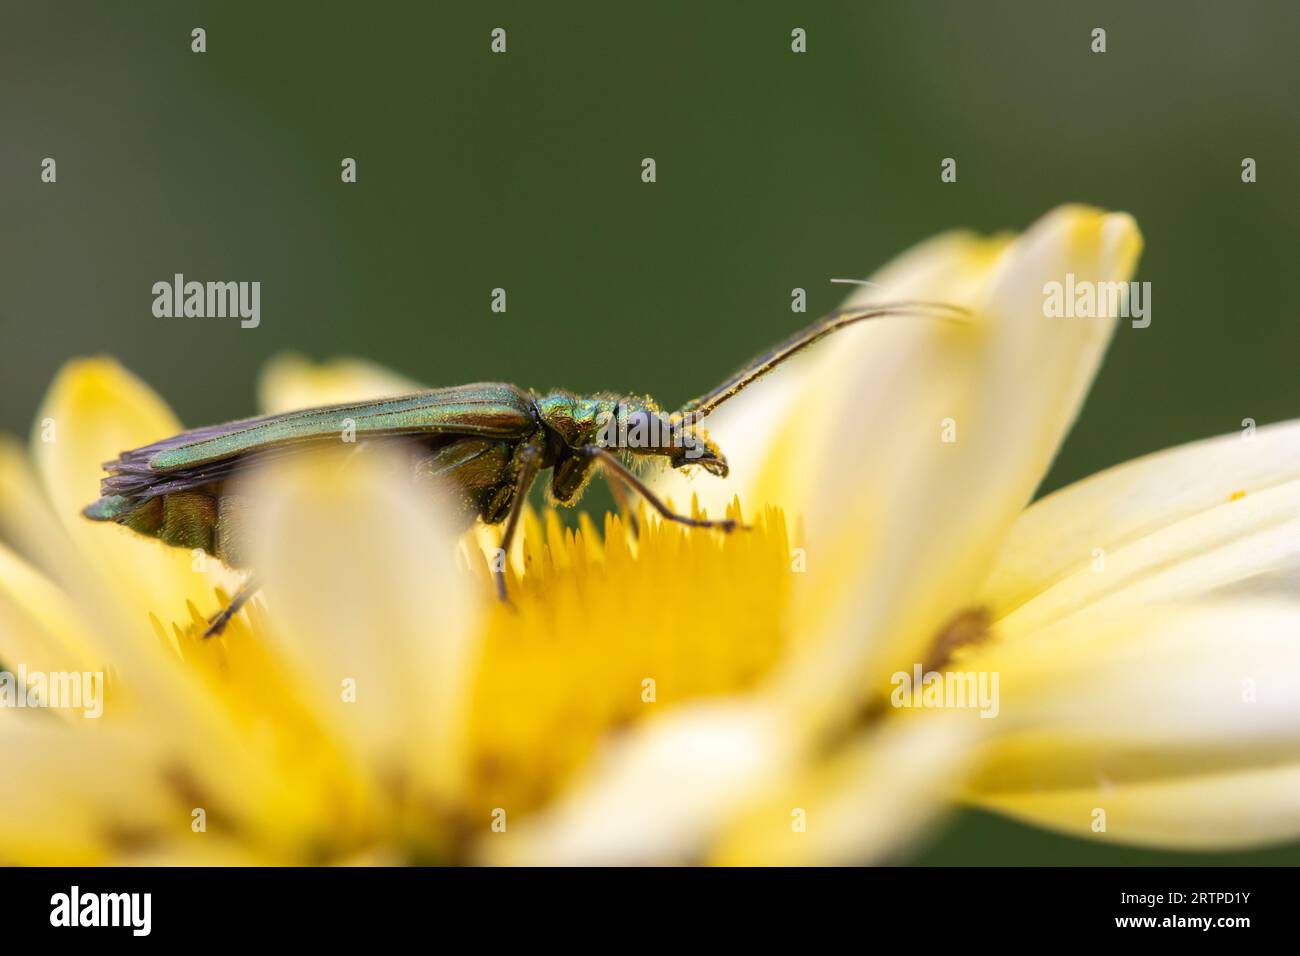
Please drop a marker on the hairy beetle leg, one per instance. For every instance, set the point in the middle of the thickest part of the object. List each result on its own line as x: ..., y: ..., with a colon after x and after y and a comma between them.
x: 217, y: 623
x: 614, y: 466
x: 529, y: 463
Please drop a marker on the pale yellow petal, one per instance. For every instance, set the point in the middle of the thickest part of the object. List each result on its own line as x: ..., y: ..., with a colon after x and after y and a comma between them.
x: 867, y: 802
x: 94, y: 410
x: 202, y: 849
x: 370, y: 608
x: 118, y: 580
x: 1214, y: 517
x: 926, y: 462
x: 40, y: 627
x: 1181, y: 724
x: 1251, y: 807
x: 225, y: 742
x: 658, y: 796
x: 291, y: 382
x: 772, y: 431
x: 27, y: 523
x: 84, y: 797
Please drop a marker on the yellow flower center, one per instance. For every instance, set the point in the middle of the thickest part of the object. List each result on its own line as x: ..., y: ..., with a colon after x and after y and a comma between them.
x: 601, y: 631
x: 605, y: 631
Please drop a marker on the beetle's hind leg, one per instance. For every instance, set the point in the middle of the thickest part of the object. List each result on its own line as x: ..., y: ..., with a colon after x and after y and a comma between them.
x: 609, y: 461
x: 217, y: 623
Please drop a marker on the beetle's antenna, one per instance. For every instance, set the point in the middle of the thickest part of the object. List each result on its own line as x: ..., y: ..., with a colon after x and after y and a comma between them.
x: 823, y: 327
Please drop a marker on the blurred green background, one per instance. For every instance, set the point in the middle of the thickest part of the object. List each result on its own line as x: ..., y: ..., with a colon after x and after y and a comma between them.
x: 522, y: 170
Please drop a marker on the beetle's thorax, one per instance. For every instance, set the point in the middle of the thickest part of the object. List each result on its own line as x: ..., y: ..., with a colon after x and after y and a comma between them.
x: 574, y: 420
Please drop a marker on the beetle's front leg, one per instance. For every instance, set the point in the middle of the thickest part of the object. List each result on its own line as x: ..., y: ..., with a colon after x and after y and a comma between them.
x: 528, y: 462
x: 613, y: 466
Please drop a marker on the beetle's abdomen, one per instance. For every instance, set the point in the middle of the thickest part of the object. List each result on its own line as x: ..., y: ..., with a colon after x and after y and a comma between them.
x: 469, y: 472
x: 183, y: 519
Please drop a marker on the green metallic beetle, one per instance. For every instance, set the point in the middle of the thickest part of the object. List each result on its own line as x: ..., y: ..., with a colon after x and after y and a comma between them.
x: 486, y: 441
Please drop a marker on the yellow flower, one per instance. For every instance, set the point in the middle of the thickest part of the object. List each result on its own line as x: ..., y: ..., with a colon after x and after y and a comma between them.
x: 683, y: 696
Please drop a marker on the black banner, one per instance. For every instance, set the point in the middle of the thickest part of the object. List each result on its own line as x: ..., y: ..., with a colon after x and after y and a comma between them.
x: 924, y: 905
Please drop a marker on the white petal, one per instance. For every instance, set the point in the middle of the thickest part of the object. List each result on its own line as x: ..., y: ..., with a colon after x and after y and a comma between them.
x: 369, y: 606
x: 1214, y: 517
x: 1247, y: 808
x: 657, y: 796
x: 1165, y: 717
x: 865, y: 803
x: 770, y: 430
x: 902, y: 524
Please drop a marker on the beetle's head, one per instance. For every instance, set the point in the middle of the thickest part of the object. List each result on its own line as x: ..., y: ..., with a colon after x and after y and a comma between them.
x: 699, y: 450
x: 635, y: 427
x: 639, y: 428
